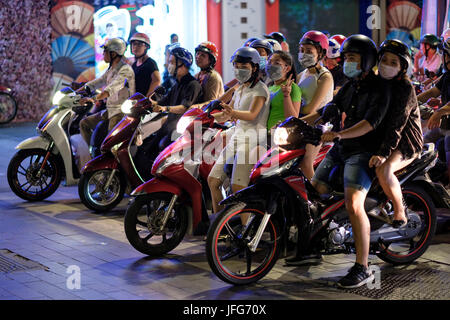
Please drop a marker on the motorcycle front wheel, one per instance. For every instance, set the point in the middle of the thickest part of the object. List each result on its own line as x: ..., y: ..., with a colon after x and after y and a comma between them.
x: 227, y: 246
x: 94, y: 195
x: 143, y: 222
x: 30, y: 178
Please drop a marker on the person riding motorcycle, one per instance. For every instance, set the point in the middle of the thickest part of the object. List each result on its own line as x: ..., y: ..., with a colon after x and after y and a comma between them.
x: 401, y: 132
x: 333, y: 63
x: 365, y: 100
x: 206, y: 55
x: 145, y: 69
x: 186, y: 92
x: 264, y: 49
x: 439, y: 122
x: 250, y: 107
x: 316, y: 84
x: 280, y: 38
x: 119, y: 84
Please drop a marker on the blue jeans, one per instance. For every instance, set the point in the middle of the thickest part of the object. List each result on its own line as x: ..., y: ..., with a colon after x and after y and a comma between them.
x: 357, y: 174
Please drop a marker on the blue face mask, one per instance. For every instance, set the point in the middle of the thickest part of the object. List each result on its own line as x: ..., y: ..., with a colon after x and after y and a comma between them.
x: 351, y: 69
x: 262, y: 63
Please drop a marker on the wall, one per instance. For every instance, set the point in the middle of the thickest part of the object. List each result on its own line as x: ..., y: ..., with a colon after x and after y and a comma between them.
x: 25, y: 55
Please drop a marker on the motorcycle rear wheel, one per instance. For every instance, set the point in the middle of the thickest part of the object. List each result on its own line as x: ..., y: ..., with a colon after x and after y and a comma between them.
x: 227, y: 250
x: 417, y: 200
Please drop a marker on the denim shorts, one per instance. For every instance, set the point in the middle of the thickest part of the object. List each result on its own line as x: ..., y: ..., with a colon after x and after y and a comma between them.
x: 357, y: 174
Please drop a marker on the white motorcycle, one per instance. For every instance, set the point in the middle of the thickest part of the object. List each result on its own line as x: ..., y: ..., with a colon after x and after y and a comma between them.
x: 57, y: 152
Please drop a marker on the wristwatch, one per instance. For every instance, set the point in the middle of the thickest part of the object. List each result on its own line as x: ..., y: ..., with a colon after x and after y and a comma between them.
x: 167, y: 109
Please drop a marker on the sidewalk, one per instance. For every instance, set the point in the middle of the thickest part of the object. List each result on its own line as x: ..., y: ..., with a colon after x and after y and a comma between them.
x: 60, y: 232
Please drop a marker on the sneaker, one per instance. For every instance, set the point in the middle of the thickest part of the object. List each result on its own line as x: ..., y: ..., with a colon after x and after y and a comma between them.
x: 356, y: 277
x: 309, y: 259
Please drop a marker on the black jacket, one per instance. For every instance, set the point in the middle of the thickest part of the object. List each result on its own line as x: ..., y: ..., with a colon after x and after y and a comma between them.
x: 401, y: 129
x: 367, y: 99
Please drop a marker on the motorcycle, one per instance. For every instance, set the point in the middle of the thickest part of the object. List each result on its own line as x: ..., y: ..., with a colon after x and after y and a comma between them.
x: 281, y: 198
x: 37, y: 169
x: 178, y: 198
x: 8, y: 105
x: 106, y: 178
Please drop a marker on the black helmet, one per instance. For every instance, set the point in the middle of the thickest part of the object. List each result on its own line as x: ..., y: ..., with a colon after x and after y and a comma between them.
x: 398, y: 48
x: 359, y: 43
x: 275, y: 35
x: 430, y: 39
x: 262, y: 44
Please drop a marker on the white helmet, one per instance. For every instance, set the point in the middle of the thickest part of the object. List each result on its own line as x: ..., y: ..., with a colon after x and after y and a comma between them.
x: 116, y: 45
x: 275, y: 44
x: 333, y: 49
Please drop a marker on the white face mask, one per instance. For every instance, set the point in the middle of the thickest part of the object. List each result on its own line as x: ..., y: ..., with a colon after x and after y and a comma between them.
x: 242, y: 75
x: 306, y: 60
x: 388, y: 72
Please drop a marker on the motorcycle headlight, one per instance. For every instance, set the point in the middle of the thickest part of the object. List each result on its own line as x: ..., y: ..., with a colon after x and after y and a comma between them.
x: 280, y: 136
x: 183, y: 123
x: 127, y: 106
x: 57, y: 97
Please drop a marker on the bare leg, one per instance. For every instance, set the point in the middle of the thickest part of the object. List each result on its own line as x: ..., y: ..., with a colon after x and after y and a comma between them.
x: 216, y: 194
x: 354, y: 203
x: 390, y: 184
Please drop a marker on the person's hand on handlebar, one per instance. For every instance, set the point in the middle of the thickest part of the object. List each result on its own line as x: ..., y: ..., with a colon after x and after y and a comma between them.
x: 85, y: 101
x: 330, y: 136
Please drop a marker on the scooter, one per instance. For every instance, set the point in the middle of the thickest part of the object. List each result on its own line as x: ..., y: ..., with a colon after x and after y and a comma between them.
x: 280, y: 199
x: 177, y: 200
x: 108, y: 177
x: 37, y: 169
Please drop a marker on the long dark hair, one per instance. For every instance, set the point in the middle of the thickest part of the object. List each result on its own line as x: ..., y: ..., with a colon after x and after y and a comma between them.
x: 287, y: 58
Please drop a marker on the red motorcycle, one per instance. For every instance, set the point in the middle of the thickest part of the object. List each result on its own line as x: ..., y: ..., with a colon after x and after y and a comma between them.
x: 106, y: 178
x: 177, y: 198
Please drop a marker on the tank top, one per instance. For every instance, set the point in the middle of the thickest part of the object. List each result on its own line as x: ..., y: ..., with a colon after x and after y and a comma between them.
x: 308, y: 85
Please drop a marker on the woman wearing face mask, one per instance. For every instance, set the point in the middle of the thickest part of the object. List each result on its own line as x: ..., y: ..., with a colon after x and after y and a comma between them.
x: 264, y: 49
x: 250, y: 107
x: 401, y: 131
x: 285, y: 95
x: 316, y: 84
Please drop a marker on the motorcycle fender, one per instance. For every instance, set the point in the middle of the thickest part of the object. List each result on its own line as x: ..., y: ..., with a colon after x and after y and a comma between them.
x: 36, y: 142
x: 249, y: 194
x: 157, y: 185
x: 103, y: 161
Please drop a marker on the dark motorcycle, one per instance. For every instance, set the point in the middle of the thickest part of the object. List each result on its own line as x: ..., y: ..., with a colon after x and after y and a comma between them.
x: 280, y: 198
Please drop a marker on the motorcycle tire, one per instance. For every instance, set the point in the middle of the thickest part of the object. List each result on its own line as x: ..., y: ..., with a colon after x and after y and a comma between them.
x: 53, y: 171
x: 145, y: 205
x: 87, y: 197
x: 8, y: 108
x: 415, y: 198
x: 227, y: 248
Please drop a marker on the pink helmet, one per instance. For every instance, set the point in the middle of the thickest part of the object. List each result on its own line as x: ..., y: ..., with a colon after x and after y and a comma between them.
x: 339, y: 38
x: 315, y: 38
x: 333, y: 49
x: 446, y: 34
